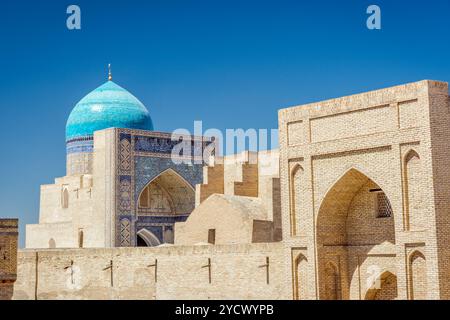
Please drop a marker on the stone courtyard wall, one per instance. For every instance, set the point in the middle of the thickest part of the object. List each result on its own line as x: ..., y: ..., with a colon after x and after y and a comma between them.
x: 182, y: 272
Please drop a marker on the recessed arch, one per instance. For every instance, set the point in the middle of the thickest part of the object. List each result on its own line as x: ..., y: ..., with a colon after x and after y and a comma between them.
x: 383, y: 288
x: 413, y: 210
x: 65, y: 198
x: 149, y: 238
x: 411, y: 153
x: 167, y: 193
x: 295, y: 184
x: 353, y: 169
x: 332, y: 282
x: 52, y: 243
x: 301, y: 277
x: 80, y: 238
x: 349, y: 218
x: 172, y: 171
x: 341, y: 194
x: 417, y: 276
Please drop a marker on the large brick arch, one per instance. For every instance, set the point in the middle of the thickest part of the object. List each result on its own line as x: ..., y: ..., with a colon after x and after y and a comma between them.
x: 348, y: 226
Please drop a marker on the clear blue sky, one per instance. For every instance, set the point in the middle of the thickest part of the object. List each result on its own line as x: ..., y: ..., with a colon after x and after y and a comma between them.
x: 230, y: 63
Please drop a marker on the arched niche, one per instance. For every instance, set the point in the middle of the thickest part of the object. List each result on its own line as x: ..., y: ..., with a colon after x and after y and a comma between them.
x: 65, y: 198
x: 414, y: 211
x: 52, y: 243
x: 301, y: 278
x: 332, y: 284
x: 384, y: 288
x: 296, y: 184
x: 168, y: 193
x: 417, y: 288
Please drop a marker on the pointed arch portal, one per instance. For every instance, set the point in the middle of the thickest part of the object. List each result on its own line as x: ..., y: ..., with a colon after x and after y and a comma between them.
x: 167, y: 194
x: 355, y: 216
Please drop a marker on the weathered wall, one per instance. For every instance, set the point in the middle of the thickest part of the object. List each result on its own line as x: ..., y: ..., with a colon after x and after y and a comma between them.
x: 250, y: 174
x: 234, y: 220
x: 396, y: 137
x: 439, y: 119
x: 66, y: 209
x: 8, y: 256
x: 237, y: 272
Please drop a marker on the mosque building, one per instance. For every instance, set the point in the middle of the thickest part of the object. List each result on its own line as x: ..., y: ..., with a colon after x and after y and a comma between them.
x: 121, y: 187
x: 354, y: 205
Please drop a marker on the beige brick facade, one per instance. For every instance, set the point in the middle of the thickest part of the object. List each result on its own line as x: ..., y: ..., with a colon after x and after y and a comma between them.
x: 365, y: 194
x: 178, y: 272
x: 364, y: 188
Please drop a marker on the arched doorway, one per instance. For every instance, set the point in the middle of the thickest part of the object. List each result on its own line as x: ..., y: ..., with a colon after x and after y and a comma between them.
x: 384, y: 288
x: 355, y: 216
x: 166, y: 199
x: 146, y: 238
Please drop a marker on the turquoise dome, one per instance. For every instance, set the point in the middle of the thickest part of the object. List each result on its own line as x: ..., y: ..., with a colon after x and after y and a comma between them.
x: 107, y: 106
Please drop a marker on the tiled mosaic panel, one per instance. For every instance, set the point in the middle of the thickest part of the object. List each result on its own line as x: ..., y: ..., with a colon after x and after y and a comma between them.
x: 141, y: 157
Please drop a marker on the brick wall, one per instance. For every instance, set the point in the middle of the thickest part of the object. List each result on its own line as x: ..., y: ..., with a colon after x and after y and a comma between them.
x: 334, y: 155
x: 182, y: 273
x: 8, y: 256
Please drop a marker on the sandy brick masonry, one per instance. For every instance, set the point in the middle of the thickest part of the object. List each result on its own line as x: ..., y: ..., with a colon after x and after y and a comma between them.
x: 364, y: 187
x: 366, y: 195
x: 8, y: 257
x: 182, y: 272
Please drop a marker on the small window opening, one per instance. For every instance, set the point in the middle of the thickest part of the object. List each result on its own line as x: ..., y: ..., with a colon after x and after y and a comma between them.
x: 384, y: 209
x: 65, y: 198
x: 212, y: 236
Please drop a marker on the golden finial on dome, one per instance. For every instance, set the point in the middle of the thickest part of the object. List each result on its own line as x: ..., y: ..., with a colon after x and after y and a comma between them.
x: 109, y: 72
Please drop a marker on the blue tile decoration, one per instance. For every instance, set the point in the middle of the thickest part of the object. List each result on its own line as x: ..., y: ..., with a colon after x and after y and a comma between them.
x: 125, y: 136
x: 141, y: 157
x: 108, y: 106
x: 153, y: 144
x: 125, y: 194
x: 169, y: 220
x: 80, y: 145
x: 164, y: 145
x: 148, y: 168
x: 125, y: 230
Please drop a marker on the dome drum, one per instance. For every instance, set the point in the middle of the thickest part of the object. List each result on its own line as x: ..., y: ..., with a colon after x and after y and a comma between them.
x: 108, y: 106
